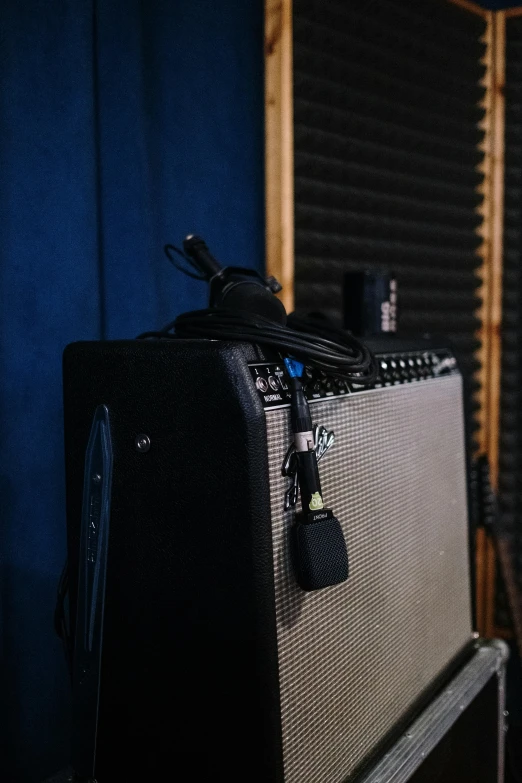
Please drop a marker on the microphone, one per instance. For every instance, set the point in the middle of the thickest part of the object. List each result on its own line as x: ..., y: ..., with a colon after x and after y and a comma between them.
x: 196, y: 248
x: 319, y: 549
x: 233, y: 287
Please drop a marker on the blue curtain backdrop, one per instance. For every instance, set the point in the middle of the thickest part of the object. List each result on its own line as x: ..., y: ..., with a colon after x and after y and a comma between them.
x: 123, y: 125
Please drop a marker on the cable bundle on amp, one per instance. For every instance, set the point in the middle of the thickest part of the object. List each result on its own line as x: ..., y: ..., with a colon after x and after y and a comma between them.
x: 311, y: 340
x: 316, y: 345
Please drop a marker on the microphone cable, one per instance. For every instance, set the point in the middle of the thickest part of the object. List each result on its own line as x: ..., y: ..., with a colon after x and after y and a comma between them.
x: 316, y: 343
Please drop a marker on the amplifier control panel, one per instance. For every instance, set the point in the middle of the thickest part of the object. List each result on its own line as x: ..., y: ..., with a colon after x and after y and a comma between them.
x: 414, y: 366
x: 273, y: 384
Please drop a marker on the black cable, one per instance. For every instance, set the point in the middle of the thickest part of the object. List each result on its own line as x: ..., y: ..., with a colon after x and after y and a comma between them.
x: 169, y: 249
x: 312, y: 341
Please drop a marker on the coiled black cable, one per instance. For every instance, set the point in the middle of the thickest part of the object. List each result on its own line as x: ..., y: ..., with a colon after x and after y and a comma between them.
x: 312, y: 341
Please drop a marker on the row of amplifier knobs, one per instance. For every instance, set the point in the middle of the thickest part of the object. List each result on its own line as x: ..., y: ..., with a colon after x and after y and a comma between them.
x: 396, y: 369
x: 318, y: 383
x: 407, y: 368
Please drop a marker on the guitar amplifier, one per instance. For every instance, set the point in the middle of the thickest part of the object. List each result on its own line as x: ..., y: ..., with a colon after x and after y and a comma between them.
x: 196, y: 651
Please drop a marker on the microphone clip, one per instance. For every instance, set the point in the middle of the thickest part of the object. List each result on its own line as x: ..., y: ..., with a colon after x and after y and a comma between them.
x: 235, y: 287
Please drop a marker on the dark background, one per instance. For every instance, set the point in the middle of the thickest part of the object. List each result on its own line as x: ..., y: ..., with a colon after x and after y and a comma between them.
x: 123, y: 125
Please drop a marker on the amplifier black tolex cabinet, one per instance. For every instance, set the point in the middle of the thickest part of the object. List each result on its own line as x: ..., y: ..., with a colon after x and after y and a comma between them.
x: 196, y: 652
x: 458, y: 738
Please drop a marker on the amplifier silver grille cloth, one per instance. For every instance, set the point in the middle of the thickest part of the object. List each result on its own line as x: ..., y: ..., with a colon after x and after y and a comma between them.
x: 354, y: 658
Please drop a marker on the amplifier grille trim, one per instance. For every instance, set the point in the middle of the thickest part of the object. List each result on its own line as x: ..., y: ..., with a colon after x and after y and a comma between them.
x: 354, y: 658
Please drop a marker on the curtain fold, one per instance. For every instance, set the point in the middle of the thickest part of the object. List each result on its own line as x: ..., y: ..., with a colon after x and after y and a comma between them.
x: 123, y: 125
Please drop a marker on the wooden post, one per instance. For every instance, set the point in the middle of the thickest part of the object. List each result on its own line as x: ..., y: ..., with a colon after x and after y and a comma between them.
x: 279, y: 146
x: 490, y: 292
x: 496, y: 217
x: 497, y: 232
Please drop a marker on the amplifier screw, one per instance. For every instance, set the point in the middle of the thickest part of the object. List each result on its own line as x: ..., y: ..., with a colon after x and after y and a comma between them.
x: 142, y: 443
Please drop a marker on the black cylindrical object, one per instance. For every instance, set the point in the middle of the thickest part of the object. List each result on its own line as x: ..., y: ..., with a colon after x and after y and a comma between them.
x: 370, y: 302
x: 197, y: 249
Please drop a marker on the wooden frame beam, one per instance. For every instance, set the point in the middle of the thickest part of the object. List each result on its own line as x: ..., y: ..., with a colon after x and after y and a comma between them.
x: 279, y: 147
x: 473, y: 8
x: 509, y: 13
x: 497, y: 234
x: 490, y: 312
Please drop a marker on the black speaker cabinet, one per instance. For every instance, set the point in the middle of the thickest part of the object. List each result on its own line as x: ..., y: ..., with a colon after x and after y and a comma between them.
x: 197, y: 655
x: 459, y: 738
